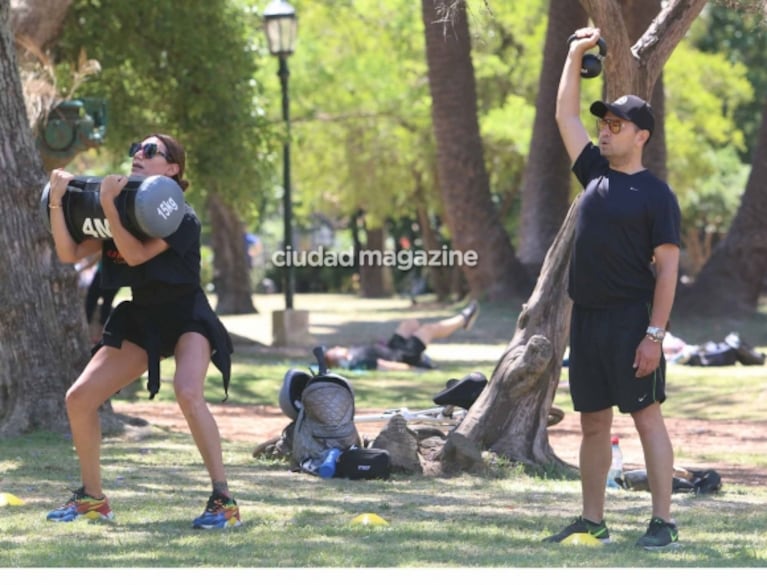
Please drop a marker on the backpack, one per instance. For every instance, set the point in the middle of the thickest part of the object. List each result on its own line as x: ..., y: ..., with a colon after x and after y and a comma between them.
x: 325, y: 415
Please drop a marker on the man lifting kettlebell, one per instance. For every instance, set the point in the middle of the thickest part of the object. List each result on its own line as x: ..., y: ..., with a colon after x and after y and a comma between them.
x: 622, y: 280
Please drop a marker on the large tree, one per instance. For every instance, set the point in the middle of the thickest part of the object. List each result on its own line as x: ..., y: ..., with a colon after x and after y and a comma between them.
x: 510, y: 417
x: 470, y: 213
x: 732, y: 280
x: 546, y: 182
x: 42, y: 331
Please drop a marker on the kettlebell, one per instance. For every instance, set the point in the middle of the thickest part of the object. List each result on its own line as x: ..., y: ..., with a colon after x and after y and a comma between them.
x: 591, y: 65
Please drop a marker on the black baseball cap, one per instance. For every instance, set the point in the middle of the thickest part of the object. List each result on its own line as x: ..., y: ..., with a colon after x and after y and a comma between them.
x: 629, y: 107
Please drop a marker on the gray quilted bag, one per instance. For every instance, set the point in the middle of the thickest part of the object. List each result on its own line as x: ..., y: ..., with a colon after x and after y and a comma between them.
x: 325, y: 419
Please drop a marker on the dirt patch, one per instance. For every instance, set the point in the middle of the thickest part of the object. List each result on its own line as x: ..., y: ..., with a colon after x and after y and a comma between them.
x: 693, y: 439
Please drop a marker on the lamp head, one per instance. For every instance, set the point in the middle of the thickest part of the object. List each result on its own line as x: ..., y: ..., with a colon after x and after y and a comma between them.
x: 280, y: 24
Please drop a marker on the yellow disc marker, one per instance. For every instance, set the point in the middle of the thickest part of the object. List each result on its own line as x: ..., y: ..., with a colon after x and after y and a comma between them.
x: 582, y: 539
x: 7, y: 499
x: 368, y: 519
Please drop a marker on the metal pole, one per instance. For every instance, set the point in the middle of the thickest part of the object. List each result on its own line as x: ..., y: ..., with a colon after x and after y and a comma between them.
x: 286, y: 197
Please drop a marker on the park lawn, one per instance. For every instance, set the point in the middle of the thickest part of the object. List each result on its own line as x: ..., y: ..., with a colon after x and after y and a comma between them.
x: 157, y: 484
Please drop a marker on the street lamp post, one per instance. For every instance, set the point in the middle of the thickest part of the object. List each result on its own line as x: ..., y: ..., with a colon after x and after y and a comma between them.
x: 280, y: 24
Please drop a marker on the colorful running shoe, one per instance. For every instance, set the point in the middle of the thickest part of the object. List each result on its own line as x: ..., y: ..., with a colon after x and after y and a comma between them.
x: 582, y: 526
x: 81, y: 505
x: 220, y: 512
x: 660, y: 535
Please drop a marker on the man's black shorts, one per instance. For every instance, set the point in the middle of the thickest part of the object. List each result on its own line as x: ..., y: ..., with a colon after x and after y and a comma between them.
x: 603, y: 345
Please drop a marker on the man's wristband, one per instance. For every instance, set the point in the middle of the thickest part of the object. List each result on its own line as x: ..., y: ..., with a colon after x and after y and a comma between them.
x: 656, y: 334
x: 54, y: 206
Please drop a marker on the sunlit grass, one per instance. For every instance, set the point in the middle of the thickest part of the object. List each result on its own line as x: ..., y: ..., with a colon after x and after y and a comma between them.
x: 157, y: 483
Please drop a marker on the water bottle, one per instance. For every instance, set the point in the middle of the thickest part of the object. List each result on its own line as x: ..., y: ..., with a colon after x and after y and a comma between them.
x: 616, y: 466
x: 327, y: 468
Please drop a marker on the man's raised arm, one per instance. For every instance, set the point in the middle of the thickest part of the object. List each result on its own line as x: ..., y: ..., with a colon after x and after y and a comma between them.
x: 568, y: 115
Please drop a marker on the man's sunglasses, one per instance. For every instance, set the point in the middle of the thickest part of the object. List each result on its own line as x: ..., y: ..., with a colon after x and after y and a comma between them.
x: 615, y: 126
x: 149, y: 149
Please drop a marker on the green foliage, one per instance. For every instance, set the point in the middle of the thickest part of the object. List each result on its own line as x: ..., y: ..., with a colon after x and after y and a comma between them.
x: 360, y: 105
x: 360, y: 108
x: 186, y: 69
x: 738, y: 34
x: 508, y: 39
x: 703, y: 91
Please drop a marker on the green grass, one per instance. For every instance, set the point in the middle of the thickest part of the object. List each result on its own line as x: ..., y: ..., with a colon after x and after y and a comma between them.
x: 157, y: 483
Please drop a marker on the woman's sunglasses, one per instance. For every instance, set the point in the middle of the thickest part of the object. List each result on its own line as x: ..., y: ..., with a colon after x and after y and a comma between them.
x: 149, y: 149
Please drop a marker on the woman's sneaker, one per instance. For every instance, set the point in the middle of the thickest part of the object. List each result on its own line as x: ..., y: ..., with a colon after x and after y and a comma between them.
x: 582, y: 526
x: 81, y: 505
x: 220, y: 512
x: 660, y: 535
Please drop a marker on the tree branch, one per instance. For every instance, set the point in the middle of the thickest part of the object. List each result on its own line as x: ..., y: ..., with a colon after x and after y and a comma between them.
x: 664, y: 33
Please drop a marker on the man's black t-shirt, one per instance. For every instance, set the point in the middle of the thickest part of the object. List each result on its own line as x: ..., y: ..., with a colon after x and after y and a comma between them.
x: 621, y: 220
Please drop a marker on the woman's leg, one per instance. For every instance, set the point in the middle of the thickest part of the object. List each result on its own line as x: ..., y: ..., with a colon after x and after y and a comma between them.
x: 192, y: 360
x: 109, y: 370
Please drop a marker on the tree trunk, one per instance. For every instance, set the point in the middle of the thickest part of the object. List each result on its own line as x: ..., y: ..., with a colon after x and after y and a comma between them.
x: 439, y: 276
x: 375, y: 279
x: 639, y: 14
x: 546, y: 181
x: 231, y: 274
x: 39, y: 20
x: 510, y: 416
x: 43, y: 334
x: 635, y: 66
x: 731, y: 281
x: 473, y: 220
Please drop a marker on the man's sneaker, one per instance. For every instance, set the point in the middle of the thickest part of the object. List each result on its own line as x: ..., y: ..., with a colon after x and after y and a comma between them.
x: 582, y: 526
x: 81, y: 505
x: 470, y: 314
x: 221, y: 512
x: 660, y: 535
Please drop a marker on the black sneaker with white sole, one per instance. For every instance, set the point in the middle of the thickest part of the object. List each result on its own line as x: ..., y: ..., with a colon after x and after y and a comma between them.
x: 660, y: 535
x: 582, y: 526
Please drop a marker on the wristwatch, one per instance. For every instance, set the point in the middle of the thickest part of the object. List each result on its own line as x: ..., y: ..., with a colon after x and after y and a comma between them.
x: 656, y: 334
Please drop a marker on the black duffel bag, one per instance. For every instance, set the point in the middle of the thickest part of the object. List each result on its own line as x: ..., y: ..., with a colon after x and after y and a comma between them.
x: 360, y: 463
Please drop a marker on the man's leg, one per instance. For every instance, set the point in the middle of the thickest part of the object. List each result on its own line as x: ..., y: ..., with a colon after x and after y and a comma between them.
x: 594, y: 460
x: 407, y: 327
x: 428, y: 332
x: 659, y: 458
